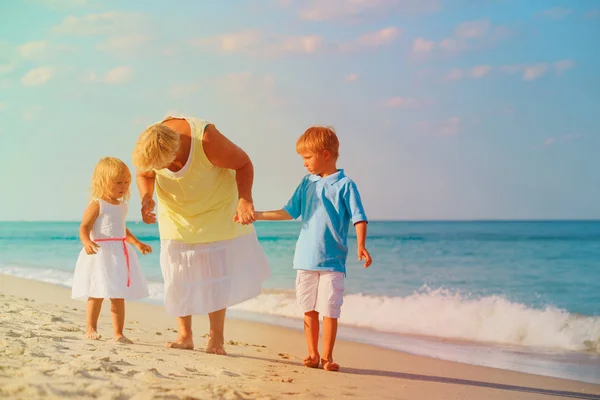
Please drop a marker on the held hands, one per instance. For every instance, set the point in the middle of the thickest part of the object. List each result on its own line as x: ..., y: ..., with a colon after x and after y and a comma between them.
x: 148, y: 215
x: 90, y: 247
x: 363, y: 254
x: 143, y: 248
x: 245, y: 214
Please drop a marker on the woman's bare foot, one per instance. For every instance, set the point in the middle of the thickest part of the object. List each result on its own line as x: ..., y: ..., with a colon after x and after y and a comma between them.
x: 311, y: 361
x: 215, y: 347
x: 123, y: 339
x: 181, y: 343
x: 329, y: 365
x: 92, y: 334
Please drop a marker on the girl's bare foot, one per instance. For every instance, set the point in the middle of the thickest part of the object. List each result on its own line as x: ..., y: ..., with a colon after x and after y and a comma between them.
x: 181, y: 343
x: 92, y: 334
x: 329, y: 365
x: 123, y: 339
x: 311, y: 361
x: 215, y: 347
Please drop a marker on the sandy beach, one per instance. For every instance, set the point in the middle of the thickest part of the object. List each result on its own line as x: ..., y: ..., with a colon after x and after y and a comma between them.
x: 45, y: 355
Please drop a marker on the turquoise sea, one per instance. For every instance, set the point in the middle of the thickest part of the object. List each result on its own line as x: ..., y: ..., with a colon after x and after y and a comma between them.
x: 519, y: 295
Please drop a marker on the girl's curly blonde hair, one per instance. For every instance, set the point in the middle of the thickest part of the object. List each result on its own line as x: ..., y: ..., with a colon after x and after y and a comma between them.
x: 107, y: 171
x: 155, y: 148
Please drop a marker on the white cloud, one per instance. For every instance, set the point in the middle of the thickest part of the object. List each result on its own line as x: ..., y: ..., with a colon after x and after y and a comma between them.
x: 2, y: 106
x: 252, y: 42
x: 534, y: 72
x: 62, y: 4
x: 563, y: 65
x: 551, y: 141
x: 400, y: 102
x: 5, y: 84
x: 108, y: 23
x: 114, y: 76
x: 380, y: 37
x: 32, y: 113
x: 6, y: 68
x: 450, y: 127
x: 480, y: 71
x: 421, y: 45
x: 38, y: 76
x: 454, y: 75
x: 327, y: 10
x: 40, y: 49
x: 592, y: 14
x: 473, y: 29
x: 123, y: 43
x: 557, y: 13
x: 351, y: 77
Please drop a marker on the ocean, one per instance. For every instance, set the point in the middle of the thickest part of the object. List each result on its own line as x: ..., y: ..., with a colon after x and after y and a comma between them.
x: 517, y: 295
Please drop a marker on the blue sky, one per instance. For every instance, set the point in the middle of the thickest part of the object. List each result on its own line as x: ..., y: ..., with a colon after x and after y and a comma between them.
x: 445, y: 109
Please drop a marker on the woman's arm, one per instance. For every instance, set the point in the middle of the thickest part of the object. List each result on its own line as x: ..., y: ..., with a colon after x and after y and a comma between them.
x: 145, y: 184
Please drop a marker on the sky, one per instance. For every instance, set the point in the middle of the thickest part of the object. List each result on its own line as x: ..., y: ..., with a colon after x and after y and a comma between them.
x: 445, y: 109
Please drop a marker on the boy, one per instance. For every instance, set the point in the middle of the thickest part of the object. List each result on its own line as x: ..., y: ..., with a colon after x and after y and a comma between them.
x: 327, y: 201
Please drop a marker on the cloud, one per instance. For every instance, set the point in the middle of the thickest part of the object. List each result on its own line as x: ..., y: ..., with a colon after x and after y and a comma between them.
x: 591, y: 14
x: 421, y: 45
x: 126, y: 44
x: 556, y: 13
x: 5, y: 84
x: 62, y: 4
x: 454, y: 75
x: 32, y: 113
x: 38, y: 76
x: 180, y: 91
x: 534, y: 72
x: 374, y: 39
x: 358, y: 10
x: 40, y: 49
x: 2, y: 106
x: 252, y: 42
x: 6, y: 68
x: 114, y: 76
x: 448, y: 127
x: 551, y: 141
x: 351, y: 77
x: 249, y: 89
x: 467, y: 36
x: 563, y: 65
x: 400, y: 102
x: 480, y: 71
x: 107, y: 23
x: 473, y: 29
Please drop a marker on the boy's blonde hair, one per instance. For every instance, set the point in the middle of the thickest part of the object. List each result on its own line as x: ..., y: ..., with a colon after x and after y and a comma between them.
x: 317, y: 139
x: 155, y: 148
x: 108, y: 170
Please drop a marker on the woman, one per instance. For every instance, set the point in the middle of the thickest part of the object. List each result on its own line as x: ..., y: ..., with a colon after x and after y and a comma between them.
x: 203, y: 182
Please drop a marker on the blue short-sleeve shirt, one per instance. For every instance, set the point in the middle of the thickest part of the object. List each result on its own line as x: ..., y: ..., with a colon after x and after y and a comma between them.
x: 326, y: 205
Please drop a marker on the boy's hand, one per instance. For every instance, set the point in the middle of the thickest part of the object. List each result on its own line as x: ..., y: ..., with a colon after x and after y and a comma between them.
x: 90, y: 247
x: 363, y: 254
x: 143, y: 248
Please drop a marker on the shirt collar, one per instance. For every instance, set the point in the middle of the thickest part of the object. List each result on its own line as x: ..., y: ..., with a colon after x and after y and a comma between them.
x: 330, y: 179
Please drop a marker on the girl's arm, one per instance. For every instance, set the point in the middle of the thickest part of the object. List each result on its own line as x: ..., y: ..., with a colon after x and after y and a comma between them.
x: 87, y: 223
x: 275, y: 215
x: 142, y: 247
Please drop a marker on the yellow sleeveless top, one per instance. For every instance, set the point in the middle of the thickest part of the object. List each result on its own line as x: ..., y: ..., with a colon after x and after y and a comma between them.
x: 197, y: 203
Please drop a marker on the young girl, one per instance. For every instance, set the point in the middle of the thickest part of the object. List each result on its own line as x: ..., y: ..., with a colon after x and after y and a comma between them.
x: 108, y: 266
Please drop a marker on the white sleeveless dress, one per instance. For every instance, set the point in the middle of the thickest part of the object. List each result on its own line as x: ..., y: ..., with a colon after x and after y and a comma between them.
x: 106, y: 273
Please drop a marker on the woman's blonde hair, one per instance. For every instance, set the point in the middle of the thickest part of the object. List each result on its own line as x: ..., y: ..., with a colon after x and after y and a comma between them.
x: 155, y: 148
x: 317, y: 139
x: 107, y: 171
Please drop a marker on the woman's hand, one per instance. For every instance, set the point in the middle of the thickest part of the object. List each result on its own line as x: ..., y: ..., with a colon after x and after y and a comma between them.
x: 148, y: 215
x: 143, y: 248
x: 245, y: 212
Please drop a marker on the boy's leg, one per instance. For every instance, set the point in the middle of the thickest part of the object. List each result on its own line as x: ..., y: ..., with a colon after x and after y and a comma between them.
x: 185, y: 338
x: 307, y: 284
x: 331, y: 290
x: 117, y: 313
x: 93, y: 307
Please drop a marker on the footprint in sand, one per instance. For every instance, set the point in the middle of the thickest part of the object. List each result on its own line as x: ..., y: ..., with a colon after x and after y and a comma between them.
x: 284, y: 356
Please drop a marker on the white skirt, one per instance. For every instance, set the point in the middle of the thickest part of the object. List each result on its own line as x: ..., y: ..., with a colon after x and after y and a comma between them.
x: 104, y: 274
x: 204, y: 277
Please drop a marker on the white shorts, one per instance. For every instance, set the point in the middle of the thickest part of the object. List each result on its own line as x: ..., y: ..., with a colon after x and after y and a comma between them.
x: 320, y: 291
